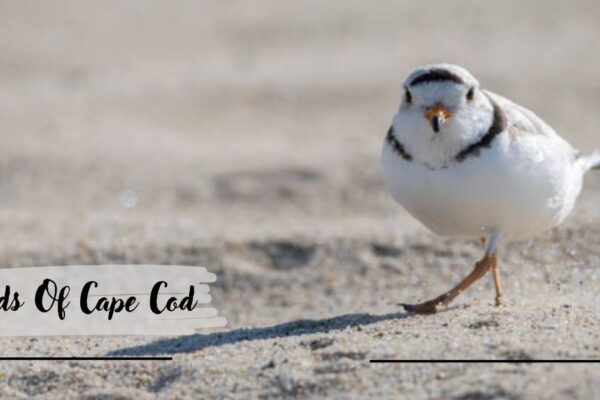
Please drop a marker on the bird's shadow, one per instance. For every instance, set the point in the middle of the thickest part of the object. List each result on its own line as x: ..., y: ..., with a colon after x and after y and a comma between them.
x: 196, y: 342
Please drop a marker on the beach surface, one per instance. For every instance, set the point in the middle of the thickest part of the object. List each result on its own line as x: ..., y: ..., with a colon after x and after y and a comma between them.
x: 244, y: 137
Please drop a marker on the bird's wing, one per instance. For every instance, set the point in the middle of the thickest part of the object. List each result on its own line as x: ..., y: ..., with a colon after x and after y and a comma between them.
x: 526, y: 127
x: 521, y: 120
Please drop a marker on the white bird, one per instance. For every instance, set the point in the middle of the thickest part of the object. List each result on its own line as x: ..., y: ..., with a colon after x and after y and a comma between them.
x: 469, y: 163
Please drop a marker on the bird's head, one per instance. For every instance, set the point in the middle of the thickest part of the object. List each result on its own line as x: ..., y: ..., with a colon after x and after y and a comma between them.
x: 442, y: 110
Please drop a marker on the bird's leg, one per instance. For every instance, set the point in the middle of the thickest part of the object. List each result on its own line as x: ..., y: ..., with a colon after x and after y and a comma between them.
x: 497, y: 285
x: 441, y: 302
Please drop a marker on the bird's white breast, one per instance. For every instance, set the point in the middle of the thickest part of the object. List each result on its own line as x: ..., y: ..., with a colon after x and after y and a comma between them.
x: 520, y: 186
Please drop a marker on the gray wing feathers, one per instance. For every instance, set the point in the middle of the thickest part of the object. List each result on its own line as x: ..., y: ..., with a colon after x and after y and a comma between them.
x: 521, y: 118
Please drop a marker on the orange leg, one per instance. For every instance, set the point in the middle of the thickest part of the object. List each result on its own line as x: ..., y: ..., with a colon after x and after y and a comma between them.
x: 497, y: 285
x: 441, y: 302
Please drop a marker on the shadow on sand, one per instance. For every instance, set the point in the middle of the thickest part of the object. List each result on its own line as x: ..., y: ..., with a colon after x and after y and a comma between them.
x: 196, y: 342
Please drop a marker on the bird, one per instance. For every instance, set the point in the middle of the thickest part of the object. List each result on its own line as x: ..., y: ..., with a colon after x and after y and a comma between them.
x: 470, y: 164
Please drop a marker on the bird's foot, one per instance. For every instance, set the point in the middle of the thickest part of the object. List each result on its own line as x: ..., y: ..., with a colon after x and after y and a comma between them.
x: 440, y: 303
x: 428, y: 307
x: 500, y: 301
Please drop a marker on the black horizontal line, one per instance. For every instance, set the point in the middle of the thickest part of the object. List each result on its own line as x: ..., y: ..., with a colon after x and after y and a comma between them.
x: 86, y: 358
x: 477, y: 361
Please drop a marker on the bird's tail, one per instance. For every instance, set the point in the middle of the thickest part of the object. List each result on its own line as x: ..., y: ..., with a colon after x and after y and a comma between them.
x: 590, y: 162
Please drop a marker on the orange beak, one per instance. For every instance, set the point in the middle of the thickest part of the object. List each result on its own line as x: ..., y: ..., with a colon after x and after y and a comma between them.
x: 437, y: 115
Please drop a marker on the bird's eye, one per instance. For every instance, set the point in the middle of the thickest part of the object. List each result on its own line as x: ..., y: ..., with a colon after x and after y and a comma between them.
x: 470, y: 94
x: 407, y: 96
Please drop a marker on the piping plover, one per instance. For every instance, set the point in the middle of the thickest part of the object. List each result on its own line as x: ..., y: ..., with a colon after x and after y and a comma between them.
x: 469, y: 163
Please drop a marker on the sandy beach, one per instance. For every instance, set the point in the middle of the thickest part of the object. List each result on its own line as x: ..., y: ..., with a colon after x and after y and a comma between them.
x: 244, y: 137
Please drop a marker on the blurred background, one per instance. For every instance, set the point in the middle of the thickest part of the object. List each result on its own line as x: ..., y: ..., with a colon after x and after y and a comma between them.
x: 262, y: 109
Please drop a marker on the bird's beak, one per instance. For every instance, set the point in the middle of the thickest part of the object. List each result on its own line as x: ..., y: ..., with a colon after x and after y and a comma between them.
x: 437, y: 115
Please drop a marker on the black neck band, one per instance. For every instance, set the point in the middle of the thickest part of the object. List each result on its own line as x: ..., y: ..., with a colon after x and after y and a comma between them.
x: 498, y: 125
x: 396, y: 145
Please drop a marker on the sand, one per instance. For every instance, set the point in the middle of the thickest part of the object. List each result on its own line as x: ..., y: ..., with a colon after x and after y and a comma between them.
x: 244, y: 137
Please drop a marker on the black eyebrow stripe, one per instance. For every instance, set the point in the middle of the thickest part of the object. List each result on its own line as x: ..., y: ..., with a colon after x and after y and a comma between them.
x: 436, y: 75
